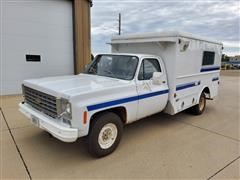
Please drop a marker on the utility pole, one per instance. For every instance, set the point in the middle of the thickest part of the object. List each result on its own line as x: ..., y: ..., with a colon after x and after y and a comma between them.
x: 119, y: 23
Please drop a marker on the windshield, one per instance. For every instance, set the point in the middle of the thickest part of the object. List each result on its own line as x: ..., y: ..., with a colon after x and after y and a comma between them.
x: 115, y: 66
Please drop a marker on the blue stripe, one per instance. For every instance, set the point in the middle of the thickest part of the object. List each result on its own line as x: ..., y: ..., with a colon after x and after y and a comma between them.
x: 125, y: 100
x: 153, y: 94
x: 188, y: 85
x: 215, y: 79
x: 210, y: 69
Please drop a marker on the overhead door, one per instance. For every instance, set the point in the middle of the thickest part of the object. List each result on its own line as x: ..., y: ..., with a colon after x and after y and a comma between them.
x: 36, y: 41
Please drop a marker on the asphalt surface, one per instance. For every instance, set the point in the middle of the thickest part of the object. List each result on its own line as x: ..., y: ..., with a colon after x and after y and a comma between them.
x: 161, y: 146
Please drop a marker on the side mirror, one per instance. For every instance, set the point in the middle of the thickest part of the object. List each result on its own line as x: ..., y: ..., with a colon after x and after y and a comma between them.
x: 157, y: 78
x: 86, y: 66
x: 92, y: 57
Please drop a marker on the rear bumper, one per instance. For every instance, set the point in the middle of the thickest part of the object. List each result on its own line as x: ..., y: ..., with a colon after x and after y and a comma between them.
x: 65, y: 134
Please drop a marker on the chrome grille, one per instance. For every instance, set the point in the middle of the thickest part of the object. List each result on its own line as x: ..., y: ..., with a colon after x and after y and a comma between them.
x: 42, y: 102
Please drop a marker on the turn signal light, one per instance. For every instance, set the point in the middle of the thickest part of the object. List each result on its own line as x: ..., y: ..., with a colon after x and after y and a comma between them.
x: 85, y: 117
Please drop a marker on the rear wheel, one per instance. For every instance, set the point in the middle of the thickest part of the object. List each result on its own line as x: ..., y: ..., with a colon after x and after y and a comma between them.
x: 199, y: 108
x: 105, y: 134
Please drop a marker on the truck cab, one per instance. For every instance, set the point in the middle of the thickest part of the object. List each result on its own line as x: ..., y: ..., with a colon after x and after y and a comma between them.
x: 147, y: 89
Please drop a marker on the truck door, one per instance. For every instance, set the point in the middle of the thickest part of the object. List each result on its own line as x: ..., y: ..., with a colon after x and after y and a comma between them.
x: 152, y: 98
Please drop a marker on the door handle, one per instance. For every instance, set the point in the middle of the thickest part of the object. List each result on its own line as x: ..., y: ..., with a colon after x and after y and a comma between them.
x: 163, y: 82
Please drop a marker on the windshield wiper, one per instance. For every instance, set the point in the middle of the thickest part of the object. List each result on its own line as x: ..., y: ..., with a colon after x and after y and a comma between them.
x: 107, y: 71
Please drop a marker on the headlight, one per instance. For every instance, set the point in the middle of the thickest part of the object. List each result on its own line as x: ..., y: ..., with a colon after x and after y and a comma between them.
x: 66, y: 109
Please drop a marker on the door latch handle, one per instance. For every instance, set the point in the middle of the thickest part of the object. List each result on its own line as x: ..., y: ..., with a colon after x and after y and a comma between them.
x: 163, y: 82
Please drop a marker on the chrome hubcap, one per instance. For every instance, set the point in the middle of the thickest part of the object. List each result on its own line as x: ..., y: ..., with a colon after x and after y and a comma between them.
x: 107, y: 135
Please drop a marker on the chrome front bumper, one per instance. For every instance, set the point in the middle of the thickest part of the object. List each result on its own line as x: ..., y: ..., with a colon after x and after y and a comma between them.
x: 61, y: 132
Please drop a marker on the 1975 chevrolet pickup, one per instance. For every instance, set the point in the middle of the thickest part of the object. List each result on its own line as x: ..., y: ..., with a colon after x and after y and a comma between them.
x: 145, y: 74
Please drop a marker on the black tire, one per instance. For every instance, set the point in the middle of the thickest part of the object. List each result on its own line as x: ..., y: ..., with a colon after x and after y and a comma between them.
x: 199, y: 108
x: 100, y: 121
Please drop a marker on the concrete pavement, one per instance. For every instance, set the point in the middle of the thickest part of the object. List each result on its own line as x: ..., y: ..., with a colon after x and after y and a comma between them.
x: 161, y: 146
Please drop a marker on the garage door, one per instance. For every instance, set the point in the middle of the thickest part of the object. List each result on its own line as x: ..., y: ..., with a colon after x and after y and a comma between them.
x: 36, y: 41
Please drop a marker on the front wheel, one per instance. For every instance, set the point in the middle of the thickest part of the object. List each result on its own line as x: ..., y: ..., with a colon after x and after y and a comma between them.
x: 199, y: 108
x: 105, y: 134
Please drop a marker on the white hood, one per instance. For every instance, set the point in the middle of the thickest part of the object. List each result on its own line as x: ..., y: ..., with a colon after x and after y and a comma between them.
x: 69, y: 86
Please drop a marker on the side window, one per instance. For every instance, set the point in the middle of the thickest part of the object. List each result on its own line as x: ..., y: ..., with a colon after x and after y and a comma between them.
x: 148, y: 67
x: 208, y: 58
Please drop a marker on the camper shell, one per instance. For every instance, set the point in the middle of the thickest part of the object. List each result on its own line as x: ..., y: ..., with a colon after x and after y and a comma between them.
x: 192, y: 63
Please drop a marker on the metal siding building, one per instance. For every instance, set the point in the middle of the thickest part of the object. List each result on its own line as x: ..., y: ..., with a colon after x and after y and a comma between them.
x: 42, y: 38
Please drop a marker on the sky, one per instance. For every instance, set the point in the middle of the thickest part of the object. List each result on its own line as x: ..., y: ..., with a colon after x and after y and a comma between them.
x: 215, y: 19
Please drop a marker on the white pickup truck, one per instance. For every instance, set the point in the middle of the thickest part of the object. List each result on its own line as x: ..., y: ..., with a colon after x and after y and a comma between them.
x: 173, y: 72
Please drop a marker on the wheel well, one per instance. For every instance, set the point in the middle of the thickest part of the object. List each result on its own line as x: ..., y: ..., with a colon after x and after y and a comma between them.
x: 120, y: 111
x: 206, y: 91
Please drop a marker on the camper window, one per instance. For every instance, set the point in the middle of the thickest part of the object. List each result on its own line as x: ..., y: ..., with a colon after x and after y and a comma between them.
x: 208, y: 58
x: 148, y: 67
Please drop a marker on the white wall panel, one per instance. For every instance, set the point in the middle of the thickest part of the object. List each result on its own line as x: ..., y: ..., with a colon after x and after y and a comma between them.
x: 38, y: 27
